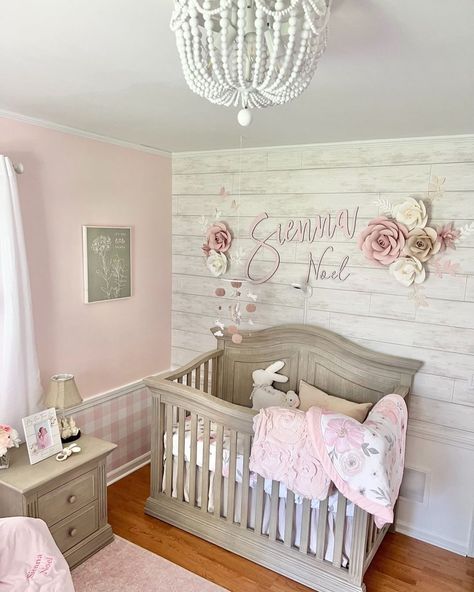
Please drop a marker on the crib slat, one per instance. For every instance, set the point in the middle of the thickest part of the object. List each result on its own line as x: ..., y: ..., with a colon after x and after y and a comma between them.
x: 370, y: 530
x: 180, y: 480
x: 322, y: 526
x: 289, y: 513
x: 231, y: 479
x: 214, y: 376
x: 259, y: 492
x: 205, y: 466
x: 218, y: 471
x: 169, y: 450
x: 189, y: 379
x: 244, y: 510
x: 305, y: 521
x: 339, y: 529
x: 206, y: 377
x: 197, y: 379
x: 358, y: 545
x: 192, y: 461
x: 274, y: 510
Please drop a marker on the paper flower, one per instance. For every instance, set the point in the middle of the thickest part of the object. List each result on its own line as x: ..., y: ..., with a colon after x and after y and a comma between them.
x: 422, y: 243
x: 447, y: 236
x: 411, y: 213
x: 218, y: 238
x: 408, y: 270
x: 383, y: 240
x: 216, y: 263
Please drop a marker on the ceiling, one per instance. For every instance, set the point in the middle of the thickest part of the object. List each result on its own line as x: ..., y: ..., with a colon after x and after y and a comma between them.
x: 393, y: 68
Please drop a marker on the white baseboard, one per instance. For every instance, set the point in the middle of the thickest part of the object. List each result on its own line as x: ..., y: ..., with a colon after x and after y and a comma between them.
x: 432, y: 539
x: 127, y: 468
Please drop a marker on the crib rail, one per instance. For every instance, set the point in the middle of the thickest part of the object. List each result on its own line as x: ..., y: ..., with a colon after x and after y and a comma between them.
x: 201, y: 373
x: 200, y: 466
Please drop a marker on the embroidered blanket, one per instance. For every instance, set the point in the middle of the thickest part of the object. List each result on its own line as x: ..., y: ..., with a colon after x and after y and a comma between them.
x: 30, y: 561
x: 306, y: 451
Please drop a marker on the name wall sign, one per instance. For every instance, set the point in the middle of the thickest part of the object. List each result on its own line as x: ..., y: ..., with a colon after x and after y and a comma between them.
x: 303, y: 230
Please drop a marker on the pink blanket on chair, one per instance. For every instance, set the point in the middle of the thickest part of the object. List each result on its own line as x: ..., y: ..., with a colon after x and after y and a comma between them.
x: 306, y: 451
x: 29, y: 558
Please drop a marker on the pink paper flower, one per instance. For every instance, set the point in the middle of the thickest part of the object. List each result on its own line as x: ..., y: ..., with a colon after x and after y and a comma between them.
x: 447, y: 236
x: 344, y: 434
x: 218, y: 239
x: 383, y: 240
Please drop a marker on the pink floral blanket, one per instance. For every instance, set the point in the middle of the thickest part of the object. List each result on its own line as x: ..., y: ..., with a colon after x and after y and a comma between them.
x: 306, y: 451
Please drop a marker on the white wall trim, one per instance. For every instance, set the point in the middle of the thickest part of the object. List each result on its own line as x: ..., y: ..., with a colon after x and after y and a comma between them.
x: 441, y: 434
x: 112, y: 394
x: 83, y: 133
x: 297, y: 147
x: 128, y: 468
x: 432, y: 539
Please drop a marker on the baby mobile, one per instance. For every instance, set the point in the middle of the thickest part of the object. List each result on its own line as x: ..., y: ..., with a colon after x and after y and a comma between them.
x: 403, y: 240
x: 220, y: 255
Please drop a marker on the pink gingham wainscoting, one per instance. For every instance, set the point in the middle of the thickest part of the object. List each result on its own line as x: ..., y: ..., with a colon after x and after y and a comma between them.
x: 124, y: 420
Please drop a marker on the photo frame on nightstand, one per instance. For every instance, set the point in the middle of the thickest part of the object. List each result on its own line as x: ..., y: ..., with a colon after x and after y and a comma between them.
x: 42, y: 435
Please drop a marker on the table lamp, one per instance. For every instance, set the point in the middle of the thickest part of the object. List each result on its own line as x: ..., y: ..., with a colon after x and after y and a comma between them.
x: 63, y: 393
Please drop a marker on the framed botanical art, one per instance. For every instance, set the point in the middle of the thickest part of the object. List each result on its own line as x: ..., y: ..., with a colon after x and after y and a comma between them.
x: 107, y: 256
x: 42, y: 435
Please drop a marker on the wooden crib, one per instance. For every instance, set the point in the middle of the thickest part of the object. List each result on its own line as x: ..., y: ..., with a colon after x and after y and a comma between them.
x: 216, y: 387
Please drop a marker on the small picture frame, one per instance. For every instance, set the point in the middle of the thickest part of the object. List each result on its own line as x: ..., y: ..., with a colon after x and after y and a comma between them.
x: 42, y: 435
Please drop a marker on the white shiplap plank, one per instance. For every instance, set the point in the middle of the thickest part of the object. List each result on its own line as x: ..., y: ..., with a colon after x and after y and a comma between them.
x: 220, y: 162
x: 389, y: 153
x: 470, y: 289
x: 435, y: 362
x: 464, y: 391
x: 282, y: 205
x: 459, y: 176
x: 405, y: 332
x: 359, y: 179
x: 433, y: 387
x: 442, y: 413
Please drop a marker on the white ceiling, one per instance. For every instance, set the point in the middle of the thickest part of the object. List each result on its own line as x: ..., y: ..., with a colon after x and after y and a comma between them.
x: 393, y: 68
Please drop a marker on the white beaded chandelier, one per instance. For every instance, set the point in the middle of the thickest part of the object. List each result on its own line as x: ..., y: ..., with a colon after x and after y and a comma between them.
x: 252, y: 53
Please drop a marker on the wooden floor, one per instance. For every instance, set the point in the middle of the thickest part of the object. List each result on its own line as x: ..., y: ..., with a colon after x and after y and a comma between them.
x: 402, y: 564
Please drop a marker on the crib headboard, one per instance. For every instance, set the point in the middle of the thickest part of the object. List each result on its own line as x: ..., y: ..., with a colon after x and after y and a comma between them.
x: 318, y: 356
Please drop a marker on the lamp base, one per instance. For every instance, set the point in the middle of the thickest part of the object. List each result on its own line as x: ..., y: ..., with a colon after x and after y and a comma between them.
x: 71, y: 438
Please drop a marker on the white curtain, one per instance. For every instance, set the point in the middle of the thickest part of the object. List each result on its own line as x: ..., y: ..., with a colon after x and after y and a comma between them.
x: 20, y: 387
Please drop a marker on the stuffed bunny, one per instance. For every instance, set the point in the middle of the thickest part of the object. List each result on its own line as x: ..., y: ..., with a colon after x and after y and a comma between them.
x: 264, y: 395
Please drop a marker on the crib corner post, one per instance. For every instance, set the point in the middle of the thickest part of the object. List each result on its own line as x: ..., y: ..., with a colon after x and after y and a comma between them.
x: 157, y: 430
x: 358, y: 546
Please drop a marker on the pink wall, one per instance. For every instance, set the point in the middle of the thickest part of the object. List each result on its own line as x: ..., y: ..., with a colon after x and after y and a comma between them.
x: 70, y: 181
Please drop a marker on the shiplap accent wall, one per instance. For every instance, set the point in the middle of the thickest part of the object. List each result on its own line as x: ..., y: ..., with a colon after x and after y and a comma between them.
x: 370, y: 307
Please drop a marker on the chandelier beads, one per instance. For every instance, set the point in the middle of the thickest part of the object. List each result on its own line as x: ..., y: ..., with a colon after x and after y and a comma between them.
x: 252, y: 53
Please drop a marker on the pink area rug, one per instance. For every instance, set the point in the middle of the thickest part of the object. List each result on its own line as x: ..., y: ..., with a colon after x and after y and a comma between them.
x: 123, y: 566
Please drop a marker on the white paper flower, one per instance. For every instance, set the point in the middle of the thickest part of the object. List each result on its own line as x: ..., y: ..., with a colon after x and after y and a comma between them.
x: 408, y: 270
x: 411, y: 212
x: 216, y: 263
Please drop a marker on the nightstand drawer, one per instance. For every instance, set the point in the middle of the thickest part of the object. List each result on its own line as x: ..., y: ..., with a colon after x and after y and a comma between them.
x: 62, y: 501
x: 78, y: 526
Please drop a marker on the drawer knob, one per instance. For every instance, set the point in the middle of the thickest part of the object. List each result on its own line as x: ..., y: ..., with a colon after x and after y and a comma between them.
x: 72, y: 532
x: 72, y: 499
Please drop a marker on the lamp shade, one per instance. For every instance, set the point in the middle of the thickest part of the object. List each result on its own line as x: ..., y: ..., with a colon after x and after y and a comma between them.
x: 62, y: 392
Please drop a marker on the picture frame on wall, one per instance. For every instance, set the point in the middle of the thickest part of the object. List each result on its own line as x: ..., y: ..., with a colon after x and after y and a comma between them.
x: 42, y: 435
x: 107, y: 261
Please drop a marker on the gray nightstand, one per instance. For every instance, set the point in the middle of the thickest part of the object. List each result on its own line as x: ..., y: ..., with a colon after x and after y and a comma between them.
x: 70, y: 496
